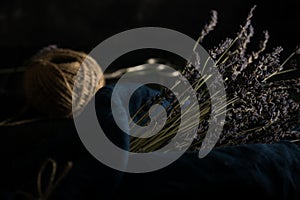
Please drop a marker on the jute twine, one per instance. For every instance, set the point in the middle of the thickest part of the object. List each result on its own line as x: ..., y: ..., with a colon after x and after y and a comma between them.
x: 53, y: 180
x: 50, y: 77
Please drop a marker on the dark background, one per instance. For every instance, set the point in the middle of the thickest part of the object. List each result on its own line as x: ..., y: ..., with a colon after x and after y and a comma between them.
x: 27, y: 26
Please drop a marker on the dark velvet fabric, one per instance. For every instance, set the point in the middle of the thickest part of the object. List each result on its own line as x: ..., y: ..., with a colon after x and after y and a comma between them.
x: 241, y: 172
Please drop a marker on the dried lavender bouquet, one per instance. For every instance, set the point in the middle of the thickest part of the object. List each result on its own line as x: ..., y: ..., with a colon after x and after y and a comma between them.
x: 258, y: 109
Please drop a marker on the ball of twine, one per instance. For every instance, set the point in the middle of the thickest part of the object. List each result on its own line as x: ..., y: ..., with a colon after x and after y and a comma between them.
x: 50, y: 77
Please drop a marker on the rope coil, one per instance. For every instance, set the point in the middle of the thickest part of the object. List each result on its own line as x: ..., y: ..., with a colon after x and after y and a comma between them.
x: 49, y: 81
